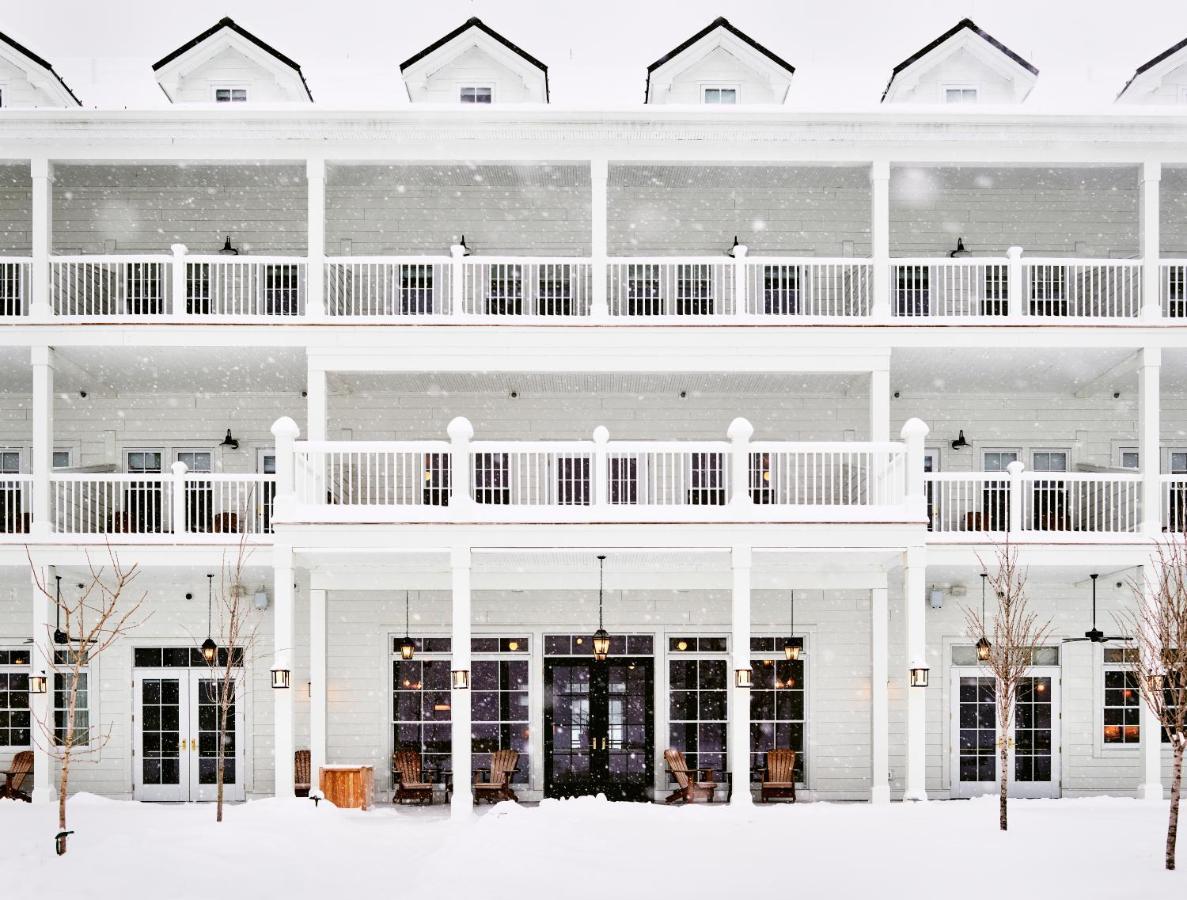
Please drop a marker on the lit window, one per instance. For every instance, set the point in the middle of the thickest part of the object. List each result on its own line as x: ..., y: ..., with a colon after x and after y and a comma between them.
x: 960, y: 95
x: 721, y: 95
x: 16, y: 720
x: 777, y: 708
x: 1122, y: 699
x: 230, y: 95
x: 697, y: 689
x: 477, y: 95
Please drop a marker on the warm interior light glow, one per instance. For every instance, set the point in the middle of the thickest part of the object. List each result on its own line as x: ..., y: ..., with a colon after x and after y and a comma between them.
x: 743, y: 678
x: 682, y: 645
x: 513, y: 646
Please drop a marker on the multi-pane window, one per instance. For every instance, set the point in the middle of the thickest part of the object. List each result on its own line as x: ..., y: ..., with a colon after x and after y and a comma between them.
x: 144, y: 288
x: 142, y: 499
x: 1129, y: 458
x: 698, y: 682
x: 995, y: 499
x: 706, y: 479
x: 16, y: 719
x: 282, y: 290
x: 781, y: 290
x: 199, y: 495
x: 643, y: 294
x: 416, y: 289
x: 499, y: 711
x: 720, y: 95
x: 777, y: 704
x: 492, y: 472
x: 1048, y: 290
x: 421, y: 709
x: 476, y: 94
x: 694, y: 290
x: 1122, y: 697
x: 230, y: 95
x: 960, y: 95
x: 1049, y: 495
x: 81, y: 733
x: 624, y: 480
x: 572, y: 480
x: 13, y: 518
x: 1176, y: 291
x: 912, y: 290
x: 436, y: 479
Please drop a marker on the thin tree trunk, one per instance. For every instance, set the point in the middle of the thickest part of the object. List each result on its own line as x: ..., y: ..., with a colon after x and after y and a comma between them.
x: 1172, y: 828
x: 220, y: 751
x: 1003, y: 789
x: 67, y: 749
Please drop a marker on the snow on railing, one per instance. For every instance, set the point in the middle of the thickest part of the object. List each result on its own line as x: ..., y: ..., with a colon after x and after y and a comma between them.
x: 242, y: 287
x: 15, y: 286
x: 499, y: 287
x: 380, y: 286
x: 1174, y: 503
x: 671, y: 286
x: 16, y: 495
x: 1172, y: 280
x: 944, y: 288
x: 1091, y: 288
x: 110, y: 286
x: 811, y: 287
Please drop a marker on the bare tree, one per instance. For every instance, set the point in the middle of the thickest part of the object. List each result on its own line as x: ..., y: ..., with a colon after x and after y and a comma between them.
x: 90, y: 623
x: 1159, y: 629
x: 1014, y: 632
x: 234, y: 632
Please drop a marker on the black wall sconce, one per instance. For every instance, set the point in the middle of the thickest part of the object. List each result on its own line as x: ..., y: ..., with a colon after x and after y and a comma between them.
x: 229, y: 442
x: 960, y: 443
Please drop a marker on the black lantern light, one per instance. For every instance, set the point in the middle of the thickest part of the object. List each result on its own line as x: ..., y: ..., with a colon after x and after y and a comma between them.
x: 983, y: 645
x: 959, y: 252
x: 919, y: 673
x: 227, y: 249
x: 60, y: 636
x: 407, y: 645
x: 281, y: 679
x: 733, y: 250
x: 229, y: 442
x: 790, y: 648
x: 601, y: 637
x: 209, y: 647
x: 960, y: 443
x: 465, y: 249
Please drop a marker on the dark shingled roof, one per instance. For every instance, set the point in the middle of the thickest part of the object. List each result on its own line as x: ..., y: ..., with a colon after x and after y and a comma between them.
x: 227, y: 22
x: 20, y: 48
x: 959, y: 26
x: 475, y: 22
x: 1170, y: 51
x: 719, y: 22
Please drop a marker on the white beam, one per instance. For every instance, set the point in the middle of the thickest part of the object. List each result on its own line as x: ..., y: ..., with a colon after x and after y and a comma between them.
x: 739, y: 725
x: 880, y: 236
x: 316, y: 402
x: 1148, y: 721
x: 599, y: 176
x: 317, y: 683
x: 1149, y: 446
x: 40, y: 708
x: 880, y: 405
x: 879, y: 696
x: 315, y: 179
x: 282, y: 611
x: 462, y: 807
x: 1151, y: 240
x: 914, y: 598
x: 41, y: 172
x: 43, y: 438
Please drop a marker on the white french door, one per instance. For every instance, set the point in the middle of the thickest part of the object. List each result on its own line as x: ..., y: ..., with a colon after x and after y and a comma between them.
x: 176, y: 737
x: 1034, y: 758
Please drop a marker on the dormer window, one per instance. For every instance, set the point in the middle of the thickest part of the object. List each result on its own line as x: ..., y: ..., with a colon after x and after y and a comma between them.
x: 230, y: 95
x: 476, y: 94
x: 960, y: 94
x: 720, y: 95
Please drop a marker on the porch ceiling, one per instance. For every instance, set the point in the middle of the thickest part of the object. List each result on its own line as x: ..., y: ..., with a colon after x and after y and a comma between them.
x: 1004, y: 371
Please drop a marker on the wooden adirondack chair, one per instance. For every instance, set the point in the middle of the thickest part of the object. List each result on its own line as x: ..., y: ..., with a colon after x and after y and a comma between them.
x: 410, y: 784
x: 14, y: 779
x: 502, y: 767
x: 301, y: 773
x: 688, y: 789
x: 778, y: 782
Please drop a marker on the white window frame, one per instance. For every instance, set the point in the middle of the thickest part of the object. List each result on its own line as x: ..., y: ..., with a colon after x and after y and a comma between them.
x: 1168, y: 454
x: 1100, y: 668
x: 807, y: 636
x: 1017, y: 451
x: 1122, y: 451
x: 230, y: 86
x: 670, y: 655
x: 177, y: 451
x: 962, y: 87
x: 27, y: 669
x: 720, y: 86
x: 20, y: 459
x: 1067, y: 455
x: 69, y: 451
x: 127, y: 451
x: 91, y: 706
x: 475, y: 86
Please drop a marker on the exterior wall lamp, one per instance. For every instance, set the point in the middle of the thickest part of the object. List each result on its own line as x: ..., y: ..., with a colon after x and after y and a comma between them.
x: 38, y: 684
x: 919, y: 673
x: 460, y: 679
x: 743, y: 678
x: 280, y: 679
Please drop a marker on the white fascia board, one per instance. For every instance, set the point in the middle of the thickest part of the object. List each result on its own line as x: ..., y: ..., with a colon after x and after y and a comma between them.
x: 1022, y: 78
x: 39, y: 77
x: 170, y: 75
x: 662, y: 77
x: 1151, y: 80
x: 474, y: 38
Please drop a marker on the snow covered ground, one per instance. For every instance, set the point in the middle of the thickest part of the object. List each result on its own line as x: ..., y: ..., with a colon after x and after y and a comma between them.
x: 589, y: 848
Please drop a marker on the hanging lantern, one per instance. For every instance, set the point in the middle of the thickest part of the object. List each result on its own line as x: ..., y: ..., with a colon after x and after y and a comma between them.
x: 407, y: 645
x: 601, y: 637
x: 919, y: 673
x: 790, y: 648
x: 209, y: 647
x: 983, y: 645
x: 280, y: 679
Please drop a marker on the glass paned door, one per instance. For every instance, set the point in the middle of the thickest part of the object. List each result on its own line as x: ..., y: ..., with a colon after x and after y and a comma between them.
x: 177, y: 736
x: 598, y: 727
x: 1034, y: 758
x: 142, y: 499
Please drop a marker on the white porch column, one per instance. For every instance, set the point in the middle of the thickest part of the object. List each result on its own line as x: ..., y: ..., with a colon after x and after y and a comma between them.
x: 880, y: 236
x: 739, y: 727
x: 41, y: 463
x: 316, y: 401
x: 599, y: 177
x: 317, y: 683
x: 462, y: 807
x: 1151, y: 240
x: 42, y: 172
x: 879, y: 697
x: 880, y: 403
x: 914, y: 598
x: 282, y: 644
x: 1149, y: 449
x: 1148, y: 722
x: 315, y: 181
x: 39, y: 704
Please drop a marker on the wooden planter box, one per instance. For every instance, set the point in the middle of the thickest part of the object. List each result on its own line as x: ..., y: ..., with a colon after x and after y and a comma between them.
x: 347, y: 787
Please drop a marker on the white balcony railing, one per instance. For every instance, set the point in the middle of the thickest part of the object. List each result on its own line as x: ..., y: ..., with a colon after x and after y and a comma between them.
x: 1034, y: 502
x: 950, y: 288
x: 16, y: 496
x: 811, y: 288
x: 1172, y: 281
x: 1174, y: 503
x: 682, y: 288
x: 178, y: 503
x: 375, y: 287
x: 499, y: 288
x: 601, y: 480
x: 243, y: 287
x: 1085, y: 289
x: 105, y: 287
x: 15, y: 288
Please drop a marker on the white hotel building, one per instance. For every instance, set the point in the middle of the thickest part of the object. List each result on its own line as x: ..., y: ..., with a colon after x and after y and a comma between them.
x: 468, y: 345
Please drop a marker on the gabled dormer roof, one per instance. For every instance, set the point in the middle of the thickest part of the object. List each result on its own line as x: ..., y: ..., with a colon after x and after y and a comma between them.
x: 40, y: 75
x: 226, y: 35
x: 719, y: 36
x: 1151, y: 75
x: 964, y: 36
x: 475, y: 35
